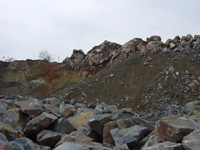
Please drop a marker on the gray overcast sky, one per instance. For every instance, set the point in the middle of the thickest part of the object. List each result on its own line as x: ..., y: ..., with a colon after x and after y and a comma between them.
x: 29, y: 26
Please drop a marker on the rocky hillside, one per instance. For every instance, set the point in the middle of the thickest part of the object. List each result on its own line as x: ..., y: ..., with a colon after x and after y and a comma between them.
x: 140, y: 95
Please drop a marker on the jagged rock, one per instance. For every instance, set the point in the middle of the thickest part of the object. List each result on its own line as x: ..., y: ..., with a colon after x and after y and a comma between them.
x: 62, y: 126
x: 154, y: 46
x: 39, y: 123
x: 104, y: 108
x: 174, y: 128
x: 76, y: 137
x: 14, y: 118
x: 52, y: 109
x: 75, y: 146
x: 21, y: 144
x: 152, y: 140
x: 154, y: 38
x: 75, y: 60
x: 80, y: 121
x: 107, y: 137
x: 165, y: 146
x: 130, y: 136
x: 98, y: 121
x: 135, y: 45
x: 31, y: 107
x: 176, y: 40
x: 102, y: 54
x: 67, y: 110
x: 192, y: 140
x: 9, y: 132
x: 167, y: 43
x: 48, y: 138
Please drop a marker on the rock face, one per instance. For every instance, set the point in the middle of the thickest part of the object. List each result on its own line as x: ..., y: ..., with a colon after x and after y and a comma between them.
x: 38, y: 123
x: 192, y: 140
x: 174, y: 128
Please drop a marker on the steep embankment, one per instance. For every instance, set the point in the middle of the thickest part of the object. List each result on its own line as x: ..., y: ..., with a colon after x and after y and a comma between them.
x: 148, y: 76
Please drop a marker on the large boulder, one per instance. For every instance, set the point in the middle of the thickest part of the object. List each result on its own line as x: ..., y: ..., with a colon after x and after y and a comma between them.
x: 154, y: 38
x: 31, y: 107
x: 39, y: 123
x: 174, y: 128
x: 192, y: 140
x: 130, y: 136
x: 48, y: 138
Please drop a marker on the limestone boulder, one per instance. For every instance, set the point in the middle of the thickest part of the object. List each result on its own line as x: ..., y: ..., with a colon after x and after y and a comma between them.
x: 67, y: 110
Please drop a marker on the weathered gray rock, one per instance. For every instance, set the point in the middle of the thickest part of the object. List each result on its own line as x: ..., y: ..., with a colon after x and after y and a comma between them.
x: 152, y: 140
x: 194, y: 107
x: 39, y: 123
x: 130, y: 136
x: 62, y: 126
x: 174, y: 128
x: 67, y: 110
x: 98, y: 121
x: 192, y: 140
x: 21, y: 144
x: 165, y: 146
x: 48, y: 138
x: 75, y: 146
x: 31, y: 107
x: 14, y: 118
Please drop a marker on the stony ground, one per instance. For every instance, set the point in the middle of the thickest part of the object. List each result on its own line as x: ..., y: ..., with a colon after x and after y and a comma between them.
x: 140, y: 95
